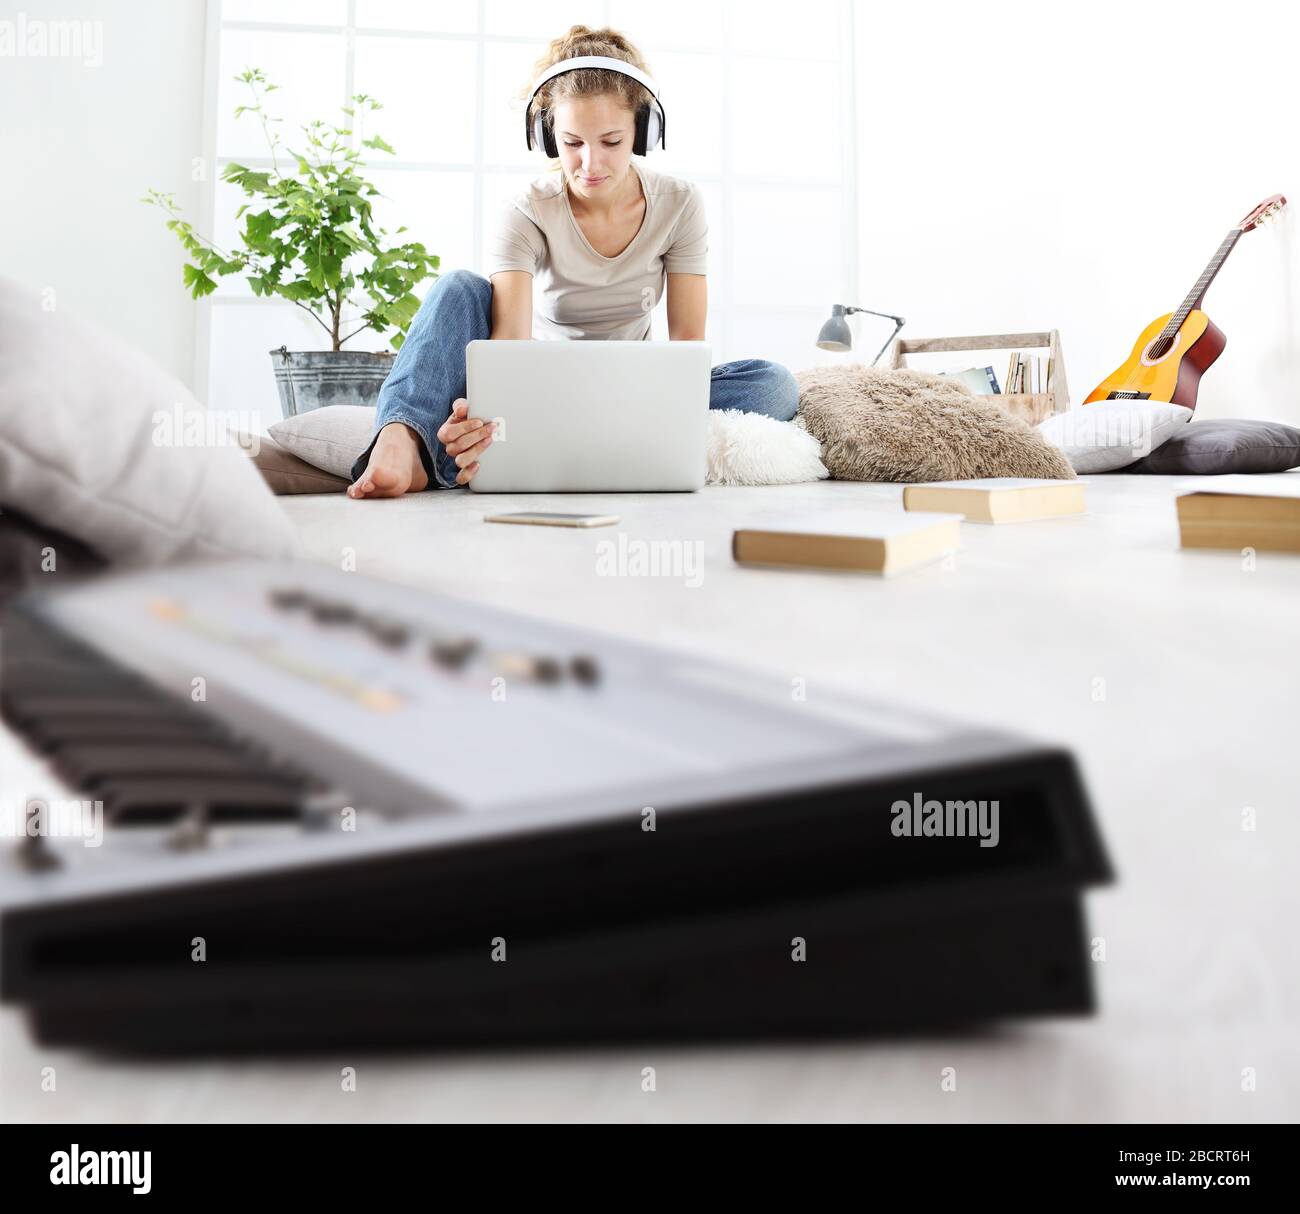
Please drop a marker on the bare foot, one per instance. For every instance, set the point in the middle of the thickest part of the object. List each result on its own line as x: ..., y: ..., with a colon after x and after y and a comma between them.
x: 394, y: 466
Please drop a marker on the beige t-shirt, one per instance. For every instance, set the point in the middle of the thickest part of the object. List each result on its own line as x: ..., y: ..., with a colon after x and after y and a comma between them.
x: 578, y: 293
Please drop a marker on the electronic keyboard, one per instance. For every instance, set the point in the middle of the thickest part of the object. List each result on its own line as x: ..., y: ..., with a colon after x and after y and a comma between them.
x: 282, y: 807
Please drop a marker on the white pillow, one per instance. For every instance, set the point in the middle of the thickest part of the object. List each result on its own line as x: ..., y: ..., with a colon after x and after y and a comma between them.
x: 330, y: 437
x: 99, y: 442
x: 743, y: 448
x: 1112, y: 434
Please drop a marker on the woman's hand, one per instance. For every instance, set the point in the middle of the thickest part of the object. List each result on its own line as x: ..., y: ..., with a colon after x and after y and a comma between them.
x: 465, y: 438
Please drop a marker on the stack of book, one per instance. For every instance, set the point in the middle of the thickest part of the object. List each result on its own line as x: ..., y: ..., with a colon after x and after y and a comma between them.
x: 1029, y: 373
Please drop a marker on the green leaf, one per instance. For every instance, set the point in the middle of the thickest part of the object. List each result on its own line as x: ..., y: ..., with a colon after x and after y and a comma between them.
x: 249, y: 180
x: 404, y: 309
x: 258, y: 228
x: 297, y: 290
x: 198, y: 282
x: 378, y: 144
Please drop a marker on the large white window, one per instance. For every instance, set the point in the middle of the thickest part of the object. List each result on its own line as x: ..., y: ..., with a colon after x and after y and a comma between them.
x: 759, y: 104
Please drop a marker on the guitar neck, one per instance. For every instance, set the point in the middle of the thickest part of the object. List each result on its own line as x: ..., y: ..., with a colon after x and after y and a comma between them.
x: 1202, y: 284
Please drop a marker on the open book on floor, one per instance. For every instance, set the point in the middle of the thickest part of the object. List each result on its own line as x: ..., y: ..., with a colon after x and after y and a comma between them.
x: 876, y: 543
x: 998, y: 499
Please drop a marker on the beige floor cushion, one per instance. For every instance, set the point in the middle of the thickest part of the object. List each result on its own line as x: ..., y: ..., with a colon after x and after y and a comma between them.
x: 286, y: 473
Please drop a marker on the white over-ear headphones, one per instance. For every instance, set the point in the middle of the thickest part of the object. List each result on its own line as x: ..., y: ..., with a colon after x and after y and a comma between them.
x: 650, y: 122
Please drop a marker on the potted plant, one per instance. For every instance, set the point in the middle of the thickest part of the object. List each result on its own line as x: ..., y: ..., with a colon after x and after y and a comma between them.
x: 308, y: 237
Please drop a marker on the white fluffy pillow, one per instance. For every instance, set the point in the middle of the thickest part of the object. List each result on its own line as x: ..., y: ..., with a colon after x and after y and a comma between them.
x: 98, y: 441
x: 1111, y: 434
x: 751, y: 449
x: 744, y: 448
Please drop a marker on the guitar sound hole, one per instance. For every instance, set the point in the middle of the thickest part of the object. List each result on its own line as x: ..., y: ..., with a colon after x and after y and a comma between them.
x: 1159, y: 348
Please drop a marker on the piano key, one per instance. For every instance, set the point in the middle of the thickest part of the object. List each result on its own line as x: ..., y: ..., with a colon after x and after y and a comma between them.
x: 89, y: 766
x: 72, y: 731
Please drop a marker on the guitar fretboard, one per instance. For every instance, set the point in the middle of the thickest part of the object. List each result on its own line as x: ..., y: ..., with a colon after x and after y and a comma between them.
x: 1196, y: 294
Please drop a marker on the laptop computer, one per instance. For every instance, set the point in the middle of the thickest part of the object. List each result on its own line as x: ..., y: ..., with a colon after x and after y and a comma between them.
x: 591, y: 416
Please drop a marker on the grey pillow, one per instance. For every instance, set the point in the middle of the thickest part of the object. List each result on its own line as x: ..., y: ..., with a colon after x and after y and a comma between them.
x: 1210, y: 447
x: 98, y: 441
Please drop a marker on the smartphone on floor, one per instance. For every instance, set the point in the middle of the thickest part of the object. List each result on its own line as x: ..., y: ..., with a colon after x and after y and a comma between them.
x: 544, y: 519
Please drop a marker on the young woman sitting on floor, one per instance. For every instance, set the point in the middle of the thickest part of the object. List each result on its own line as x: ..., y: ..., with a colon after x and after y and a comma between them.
x: 599, y: 241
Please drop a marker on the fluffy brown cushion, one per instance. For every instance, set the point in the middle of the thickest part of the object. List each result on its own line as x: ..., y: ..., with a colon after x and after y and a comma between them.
x: 878, y: 425
x: 284, y: 472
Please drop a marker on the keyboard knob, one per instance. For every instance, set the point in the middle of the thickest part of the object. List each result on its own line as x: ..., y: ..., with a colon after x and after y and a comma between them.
x: 326, y: 611
x: 584, y: 670
x: 547, y: 670
x: 453, y: 654
x: 289, y: 599
x: 392, y: 633
x: 191, y: 833
x: 35, y: 855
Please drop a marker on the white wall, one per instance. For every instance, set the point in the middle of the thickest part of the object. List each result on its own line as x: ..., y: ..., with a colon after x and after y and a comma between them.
x: 80, y: 143
x: 1074, y: 166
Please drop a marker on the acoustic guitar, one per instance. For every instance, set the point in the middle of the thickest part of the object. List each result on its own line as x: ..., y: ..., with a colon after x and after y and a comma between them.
x: 1175, y: 349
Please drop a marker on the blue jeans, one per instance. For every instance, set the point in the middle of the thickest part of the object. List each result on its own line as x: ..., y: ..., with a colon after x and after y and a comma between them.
x: 428, y: 374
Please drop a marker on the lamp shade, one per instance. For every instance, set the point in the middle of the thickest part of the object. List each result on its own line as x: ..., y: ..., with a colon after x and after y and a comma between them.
x: 835, y: 333
x: 837, y: 336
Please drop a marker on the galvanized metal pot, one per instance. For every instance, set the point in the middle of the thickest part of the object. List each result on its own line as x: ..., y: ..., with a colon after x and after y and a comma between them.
x: 309, y: 379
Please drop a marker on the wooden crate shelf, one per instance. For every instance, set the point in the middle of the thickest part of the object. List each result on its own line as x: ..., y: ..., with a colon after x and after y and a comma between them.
x: 1033, y: 407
